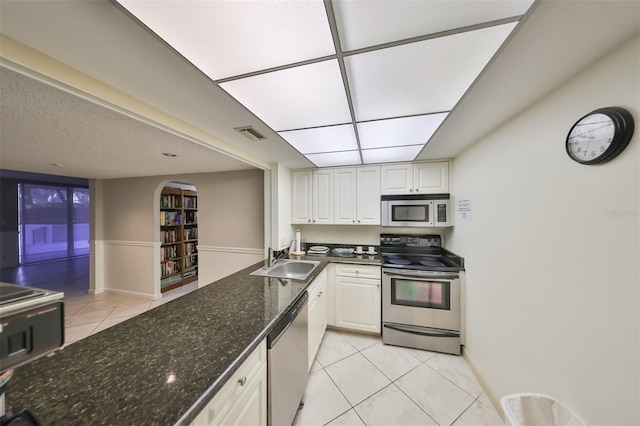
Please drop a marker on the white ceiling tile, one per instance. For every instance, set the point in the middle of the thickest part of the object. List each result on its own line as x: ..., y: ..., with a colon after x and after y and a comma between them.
x: 390, y: 155
x: 422, y: 77
x: 332, y: 159
x: 295, y: 98
x: 322, y: 139
x: 227, y: 38
x: 369, y: 23
x: 399, y: 131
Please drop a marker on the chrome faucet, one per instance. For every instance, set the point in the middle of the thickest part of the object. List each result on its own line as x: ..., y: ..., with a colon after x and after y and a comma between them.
x: 272, y: 256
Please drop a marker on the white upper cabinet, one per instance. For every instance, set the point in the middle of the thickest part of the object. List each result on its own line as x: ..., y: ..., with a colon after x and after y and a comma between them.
x: 431, y: 178
x: 357, y: 195
x: 302, y: 196
x: 345, y: 194
x: 322, y: 196
x: 351, y: 195
x: 312, y: 196
x: 368, y: 195
x: 418, y: 178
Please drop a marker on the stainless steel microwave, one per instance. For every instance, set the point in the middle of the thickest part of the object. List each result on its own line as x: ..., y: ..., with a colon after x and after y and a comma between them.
x: 416, y: 210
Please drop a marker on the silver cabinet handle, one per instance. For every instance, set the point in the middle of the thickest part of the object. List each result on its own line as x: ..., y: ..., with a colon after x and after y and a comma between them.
x: 242, y: 381
x: 309, y: 220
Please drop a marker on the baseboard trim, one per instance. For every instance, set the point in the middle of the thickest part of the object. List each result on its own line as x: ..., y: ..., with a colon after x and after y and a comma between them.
x: 127, y: 293
x: 485, y: 386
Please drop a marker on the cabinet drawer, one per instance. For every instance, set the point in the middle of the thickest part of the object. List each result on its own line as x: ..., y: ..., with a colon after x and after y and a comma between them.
x: 224, y: 400
x: 358, y: 271
x: 318, y: 282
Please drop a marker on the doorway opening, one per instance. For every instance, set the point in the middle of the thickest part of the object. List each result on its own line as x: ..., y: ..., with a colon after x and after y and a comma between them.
x: 178, y: 236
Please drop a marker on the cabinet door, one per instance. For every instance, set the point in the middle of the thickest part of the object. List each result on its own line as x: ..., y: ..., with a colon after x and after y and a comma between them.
x: 358, y: 304
x: 322, y: 196
x: 368, y: 196
x: 317, y: 318
x: 243, y: 399
x: 345, y: 190
x: 431, y: 178
x: 251, y: 408
x: 397, y: 179
x: 301, y: 196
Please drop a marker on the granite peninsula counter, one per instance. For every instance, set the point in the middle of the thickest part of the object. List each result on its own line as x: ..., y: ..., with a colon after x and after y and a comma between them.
x: 163, y: 366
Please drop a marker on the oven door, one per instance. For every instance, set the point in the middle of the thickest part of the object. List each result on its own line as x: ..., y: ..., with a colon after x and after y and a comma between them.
x: 421, y: 298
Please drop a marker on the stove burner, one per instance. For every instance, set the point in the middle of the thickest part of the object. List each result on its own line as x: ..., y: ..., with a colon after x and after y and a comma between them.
x: 400, y: 261
x: 432, y: 262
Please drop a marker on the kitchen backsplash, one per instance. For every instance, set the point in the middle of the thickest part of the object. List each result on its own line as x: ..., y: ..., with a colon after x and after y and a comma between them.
x: 345, y: 234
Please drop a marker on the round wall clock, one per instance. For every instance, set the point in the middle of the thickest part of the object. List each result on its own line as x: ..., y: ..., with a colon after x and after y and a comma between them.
x: 600, y: 135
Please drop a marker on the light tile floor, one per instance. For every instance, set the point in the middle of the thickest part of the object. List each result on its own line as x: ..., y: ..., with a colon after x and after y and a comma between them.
x: 356, y: 380
x: 87, y: 314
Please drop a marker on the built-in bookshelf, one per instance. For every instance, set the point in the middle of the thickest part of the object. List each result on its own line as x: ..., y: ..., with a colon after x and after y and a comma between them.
x: 178, y: 238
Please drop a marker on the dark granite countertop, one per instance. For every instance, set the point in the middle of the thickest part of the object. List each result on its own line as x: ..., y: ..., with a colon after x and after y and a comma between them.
x: 163, y: 366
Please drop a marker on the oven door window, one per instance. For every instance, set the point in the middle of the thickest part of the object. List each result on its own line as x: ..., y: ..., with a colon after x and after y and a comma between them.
x: 421, y: 294
x: 410, y: 213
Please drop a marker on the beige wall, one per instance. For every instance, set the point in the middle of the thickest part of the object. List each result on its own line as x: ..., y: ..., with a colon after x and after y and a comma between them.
x: 552, y: 252
x: 230, y: 227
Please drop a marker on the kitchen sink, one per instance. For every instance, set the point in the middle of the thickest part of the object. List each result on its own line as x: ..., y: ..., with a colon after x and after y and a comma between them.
x: 292, y: 269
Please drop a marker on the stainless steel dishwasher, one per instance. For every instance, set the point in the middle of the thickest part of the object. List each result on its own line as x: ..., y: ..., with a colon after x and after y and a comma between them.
x: 287, y: 364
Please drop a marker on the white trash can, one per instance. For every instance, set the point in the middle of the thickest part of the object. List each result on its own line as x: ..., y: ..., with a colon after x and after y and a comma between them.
x: 534, y: 409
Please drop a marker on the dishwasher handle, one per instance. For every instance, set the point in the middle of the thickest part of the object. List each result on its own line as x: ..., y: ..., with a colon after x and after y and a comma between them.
x: 286, y: 320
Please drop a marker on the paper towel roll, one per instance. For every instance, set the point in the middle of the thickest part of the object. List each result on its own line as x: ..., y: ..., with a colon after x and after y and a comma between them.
x: 297, y: 240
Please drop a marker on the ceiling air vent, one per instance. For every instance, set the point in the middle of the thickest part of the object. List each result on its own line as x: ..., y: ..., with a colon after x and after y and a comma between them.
x: 250, y: 133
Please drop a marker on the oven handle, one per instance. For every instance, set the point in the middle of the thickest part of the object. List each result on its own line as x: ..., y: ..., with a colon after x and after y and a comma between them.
x: 422, y: 274
x: 421, y: 333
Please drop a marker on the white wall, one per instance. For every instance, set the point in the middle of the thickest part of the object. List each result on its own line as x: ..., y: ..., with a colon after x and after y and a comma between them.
x: 552, y: 251
x: 230, y: 228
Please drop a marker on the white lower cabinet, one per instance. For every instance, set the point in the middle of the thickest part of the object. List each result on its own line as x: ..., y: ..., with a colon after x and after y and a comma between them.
x: 243, y: 399
x: 358, y: 297
x: 317, y: 314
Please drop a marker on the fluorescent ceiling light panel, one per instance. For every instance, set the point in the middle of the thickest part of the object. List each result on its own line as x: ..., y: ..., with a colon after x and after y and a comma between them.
x: 322, y: 139
x: 390, y: 155
x: 399, y: 131
x: 295, y: 98
x: 228, y: 38
x: 421, y: 77
x: 332, y: 159
x: 370, y: 23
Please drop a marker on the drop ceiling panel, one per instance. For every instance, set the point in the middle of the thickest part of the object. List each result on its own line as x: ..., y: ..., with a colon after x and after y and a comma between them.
x: 227, y: 38
x: 295, y: 98
x: 422, y: 77
x: 399, y: 131
x: 369, y: 23
x: 390, y: 155
x: 332, y: 159
x: 322, y: 139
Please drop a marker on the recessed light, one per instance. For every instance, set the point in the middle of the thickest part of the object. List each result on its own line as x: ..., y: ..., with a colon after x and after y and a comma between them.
x: 58, y: 165
x: 169, y: 154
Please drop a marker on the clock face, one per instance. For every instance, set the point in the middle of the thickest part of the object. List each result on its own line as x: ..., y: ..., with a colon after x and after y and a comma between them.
x: 600, y: 135
x: 591, y: 137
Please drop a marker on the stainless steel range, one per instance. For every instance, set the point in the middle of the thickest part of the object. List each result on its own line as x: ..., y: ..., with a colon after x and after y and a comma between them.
x: 421, y: 293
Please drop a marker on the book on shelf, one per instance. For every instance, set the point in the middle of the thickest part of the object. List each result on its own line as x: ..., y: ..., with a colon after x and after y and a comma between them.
x: 169, y: 201
x: 169, y: 218
x: 190, y: 202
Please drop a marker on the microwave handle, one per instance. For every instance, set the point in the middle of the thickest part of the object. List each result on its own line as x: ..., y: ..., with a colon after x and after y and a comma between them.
x: 431, y: 275
x: 421, y: 333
